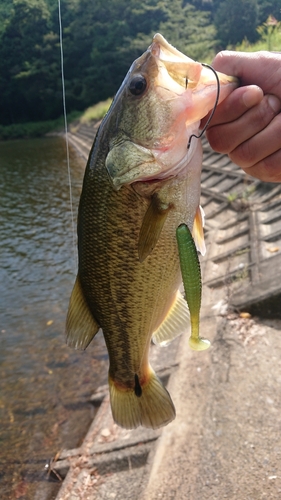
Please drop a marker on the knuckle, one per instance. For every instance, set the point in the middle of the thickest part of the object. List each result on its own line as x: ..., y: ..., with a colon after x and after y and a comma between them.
x: 264, y: 113
x: 271, y: 166
x: 218, y: 139
x: 243, y: 155
x: 277, y: 126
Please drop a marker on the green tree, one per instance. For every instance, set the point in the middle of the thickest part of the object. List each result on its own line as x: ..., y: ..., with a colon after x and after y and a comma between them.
x: 21, y: 79
x: 102, y: 41
x: 235, y: 20
x: 6, y: 8
x: 269, y: 37
x: 190, y: 30
x: 267, y: 8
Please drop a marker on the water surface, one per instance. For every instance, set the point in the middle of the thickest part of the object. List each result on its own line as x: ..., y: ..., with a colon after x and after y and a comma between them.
x: 44, y: 385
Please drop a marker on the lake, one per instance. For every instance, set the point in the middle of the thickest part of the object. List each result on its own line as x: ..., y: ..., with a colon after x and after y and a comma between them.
x: 44, y: 385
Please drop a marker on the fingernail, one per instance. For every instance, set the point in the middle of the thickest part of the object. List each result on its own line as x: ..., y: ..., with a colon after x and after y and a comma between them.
x: 274, y: 103
x: 252, y: 96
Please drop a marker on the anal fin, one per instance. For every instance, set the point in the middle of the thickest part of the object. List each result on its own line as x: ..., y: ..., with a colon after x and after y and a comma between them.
x: 175, y: 323
x: 152, y: 226
x: 81, y: 327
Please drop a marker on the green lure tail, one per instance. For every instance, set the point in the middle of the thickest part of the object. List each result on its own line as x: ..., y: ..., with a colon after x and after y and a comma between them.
x: 191, y: 276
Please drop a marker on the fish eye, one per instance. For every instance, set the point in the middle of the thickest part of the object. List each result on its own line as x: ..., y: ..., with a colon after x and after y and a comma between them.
x: 137, y: 85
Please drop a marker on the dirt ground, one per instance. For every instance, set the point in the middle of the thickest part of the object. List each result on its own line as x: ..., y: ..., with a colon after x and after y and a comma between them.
x: 225, y: 442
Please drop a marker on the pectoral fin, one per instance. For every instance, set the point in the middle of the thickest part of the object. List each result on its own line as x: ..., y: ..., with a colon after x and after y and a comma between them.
x: 152, y: 226
x: 81, y: 327
x: 176, y: 322
x: 197, y: 231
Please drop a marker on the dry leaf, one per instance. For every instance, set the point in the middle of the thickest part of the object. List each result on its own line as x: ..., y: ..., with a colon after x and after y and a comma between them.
x: 273, y: 249
x: 245, y: 315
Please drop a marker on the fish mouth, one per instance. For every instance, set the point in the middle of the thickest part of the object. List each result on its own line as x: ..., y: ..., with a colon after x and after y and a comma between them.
x: 165, y: 51
x: 179, y: 73
x: 176, y: 71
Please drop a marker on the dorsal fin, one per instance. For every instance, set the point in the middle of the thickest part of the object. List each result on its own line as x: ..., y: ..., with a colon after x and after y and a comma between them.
x: 81, y: 327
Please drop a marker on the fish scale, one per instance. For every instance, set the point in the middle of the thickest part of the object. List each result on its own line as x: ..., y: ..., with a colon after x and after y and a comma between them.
x: 119, y: 259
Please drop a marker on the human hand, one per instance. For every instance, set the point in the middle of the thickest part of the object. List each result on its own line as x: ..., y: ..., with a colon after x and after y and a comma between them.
x: 247, y: 124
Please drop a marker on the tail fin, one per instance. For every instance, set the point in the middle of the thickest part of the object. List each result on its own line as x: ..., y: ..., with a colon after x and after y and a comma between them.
x: 150, y: 406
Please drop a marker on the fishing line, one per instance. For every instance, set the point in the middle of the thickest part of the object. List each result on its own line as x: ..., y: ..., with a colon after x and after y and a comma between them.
x: 214, y: 108
x: 66, y: 131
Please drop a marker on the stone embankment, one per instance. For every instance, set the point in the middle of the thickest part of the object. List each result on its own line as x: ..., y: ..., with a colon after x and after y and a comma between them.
x: 226, y: 439
x: 81, y: 136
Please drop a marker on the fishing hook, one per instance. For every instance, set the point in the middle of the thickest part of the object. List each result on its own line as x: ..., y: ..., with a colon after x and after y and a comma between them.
x: 214, y: 108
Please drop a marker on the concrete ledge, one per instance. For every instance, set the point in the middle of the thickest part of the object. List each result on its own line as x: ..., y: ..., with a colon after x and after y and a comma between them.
x: 226, y: 439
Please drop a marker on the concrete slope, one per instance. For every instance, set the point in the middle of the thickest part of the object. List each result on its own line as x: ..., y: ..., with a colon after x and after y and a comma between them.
x: 225, y: 441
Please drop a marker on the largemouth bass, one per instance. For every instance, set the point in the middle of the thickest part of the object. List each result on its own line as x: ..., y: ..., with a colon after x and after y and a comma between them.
x: 141, y: 182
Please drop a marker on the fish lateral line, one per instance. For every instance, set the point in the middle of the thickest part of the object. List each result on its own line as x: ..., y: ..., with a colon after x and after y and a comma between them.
x: 191, y: 276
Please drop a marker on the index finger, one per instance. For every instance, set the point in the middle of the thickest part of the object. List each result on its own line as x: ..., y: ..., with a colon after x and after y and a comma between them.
x: 260, y: 68
x: 235, y: 105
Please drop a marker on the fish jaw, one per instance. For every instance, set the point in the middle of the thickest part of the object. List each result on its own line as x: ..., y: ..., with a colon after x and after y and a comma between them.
x: 152, y: 129
x: 196, y: 83
x: 206, y: 92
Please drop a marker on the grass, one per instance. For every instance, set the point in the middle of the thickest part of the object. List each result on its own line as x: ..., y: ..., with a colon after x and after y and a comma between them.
x: 95, y: 112
x: 38, y: 129
x: 270, y: 37
x: 34, y: 129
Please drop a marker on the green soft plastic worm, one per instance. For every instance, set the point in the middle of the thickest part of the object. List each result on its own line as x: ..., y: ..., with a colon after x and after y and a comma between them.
x: 191, y: 276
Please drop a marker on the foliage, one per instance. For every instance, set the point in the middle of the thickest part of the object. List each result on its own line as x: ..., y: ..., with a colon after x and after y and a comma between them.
x: 270, y: 33
x: 268, y: 8
x: 34, y: 129
x: 270, y: 37
x: 100, y: 41
x: 190, y: 31
x: 234, y: 19
x: 96, y: 112
x: 26, y: 130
